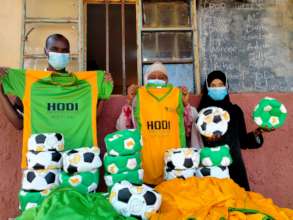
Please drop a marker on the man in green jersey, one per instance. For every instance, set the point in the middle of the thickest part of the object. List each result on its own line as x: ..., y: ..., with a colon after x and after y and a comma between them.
x: 55, y: 100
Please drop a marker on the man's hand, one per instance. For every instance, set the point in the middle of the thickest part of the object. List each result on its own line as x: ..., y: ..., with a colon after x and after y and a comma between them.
x: 108, y: 77
x: 3, y: 70
x: 131, y: 92
x: 185, y: 95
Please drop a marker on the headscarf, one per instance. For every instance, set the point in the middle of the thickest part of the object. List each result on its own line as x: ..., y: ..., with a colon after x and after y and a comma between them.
x: 206, y: 100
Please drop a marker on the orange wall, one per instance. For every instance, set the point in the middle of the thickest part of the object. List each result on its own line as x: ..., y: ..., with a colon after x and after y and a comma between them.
x: 269, y: 168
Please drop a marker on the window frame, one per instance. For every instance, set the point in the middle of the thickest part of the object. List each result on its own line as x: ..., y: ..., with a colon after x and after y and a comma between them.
x: 195, y: 42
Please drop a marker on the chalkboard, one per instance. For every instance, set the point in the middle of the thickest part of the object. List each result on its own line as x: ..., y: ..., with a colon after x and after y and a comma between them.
x: 252, y: 42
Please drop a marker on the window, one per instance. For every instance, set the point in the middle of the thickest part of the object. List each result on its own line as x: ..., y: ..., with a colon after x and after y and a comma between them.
x: 111, y: 42
x: 166, y: 32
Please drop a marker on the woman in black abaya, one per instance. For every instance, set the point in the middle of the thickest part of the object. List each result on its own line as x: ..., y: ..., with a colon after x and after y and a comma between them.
x: 215, y: 93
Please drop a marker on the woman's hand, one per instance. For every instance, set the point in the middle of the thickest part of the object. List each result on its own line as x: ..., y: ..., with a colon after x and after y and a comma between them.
x: 131, y: 92
x: 259, y: 131
x: 213, y: 138
x: 185, y: 95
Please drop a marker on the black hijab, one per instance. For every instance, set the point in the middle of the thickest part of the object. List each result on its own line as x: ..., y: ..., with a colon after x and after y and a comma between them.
x: 207, y: 101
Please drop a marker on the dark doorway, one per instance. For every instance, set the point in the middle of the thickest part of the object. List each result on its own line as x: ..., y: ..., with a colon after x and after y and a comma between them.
x: 106, y: 26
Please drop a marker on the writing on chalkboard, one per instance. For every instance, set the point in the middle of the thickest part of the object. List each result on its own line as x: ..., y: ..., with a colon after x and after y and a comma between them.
x: 243, y: 40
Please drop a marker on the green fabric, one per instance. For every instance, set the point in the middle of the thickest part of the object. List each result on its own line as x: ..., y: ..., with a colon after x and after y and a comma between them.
x: 83, y: 182
x: 251, y: 212
x: 180, y: 112
x: 217, y: 156
x: 76, y: 124
x: 66, y: 203
x: 137, y: 111
x: 119, y: 164
x: 14, y: 82
x: 124, y: 142
x: 269, y: 109
x: 134, y: 177
x: 105, y: 88
x: 31, y: 199
x: 73, y: 117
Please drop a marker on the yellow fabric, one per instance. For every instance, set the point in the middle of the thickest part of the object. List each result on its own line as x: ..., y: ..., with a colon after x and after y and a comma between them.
x: 210, y: 199
x: 157, y: 141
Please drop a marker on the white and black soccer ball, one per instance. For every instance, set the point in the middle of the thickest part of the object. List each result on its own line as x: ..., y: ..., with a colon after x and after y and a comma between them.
x: 44, y: 160
x: 181, y: 159
x: 212, y: 121
x: 81, y: 159
x: 40, y: 179
x: 46, y: 141
x: 183, y: 174
x: 220, y: 172
x: 136, y: 201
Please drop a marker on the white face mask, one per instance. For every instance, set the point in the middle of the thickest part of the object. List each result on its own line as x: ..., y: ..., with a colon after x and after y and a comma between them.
x: 58, y: 61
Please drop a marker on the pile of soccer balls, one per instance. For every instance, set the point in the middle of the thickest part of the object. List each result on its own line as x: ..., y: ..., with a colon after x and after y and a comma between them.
x: 269, y: 113
x: 214, y: 161
x: 44, y: 161
x: 180, y: 163
x: 135, y: 201
x: 80, y: 169
x: 123, y: 158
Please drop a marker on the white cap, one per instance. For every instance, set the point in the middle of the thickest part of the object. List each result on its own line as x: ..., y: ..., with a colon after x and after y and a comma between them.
x: 155, y: 67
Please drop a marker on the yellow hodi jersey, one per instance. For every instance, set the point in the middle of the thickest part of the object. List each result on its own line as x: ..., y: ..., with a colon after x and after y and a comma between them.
x: 159, y: 115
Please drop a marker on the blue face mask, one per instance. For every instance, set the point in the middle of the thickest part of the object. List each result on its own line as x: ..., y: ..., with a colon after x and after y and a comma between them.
x: 157, y: 82
x: 58, y: 61
x: 217, y: 93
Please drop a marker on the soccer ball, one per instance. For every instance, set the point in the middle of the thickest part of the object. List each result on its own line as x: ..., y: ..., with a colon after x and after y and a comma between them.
x: 81, y: 159
x: 84, y: 182
x: 212, y: 121
x: 216, y: 171
x: 269, y: 113
x: 124, y: 142
x: 44, y: 160
x: 215, y: 156
x: 31, y: 199
x: 40, y: 179
x: 135, y: 177
x: 46, y: 141
x: 135, y: 201
x: 183, y: 174
x: 181, y: 159
x: 118, y: 164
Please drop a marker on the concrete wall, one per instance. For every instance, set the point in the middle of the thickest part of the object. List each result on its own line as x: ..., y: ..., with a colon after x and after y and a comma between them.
x: 269, y: 168
x: 10, y: 23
